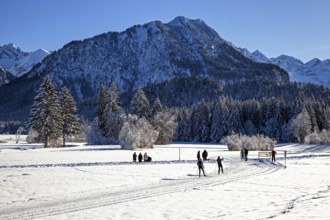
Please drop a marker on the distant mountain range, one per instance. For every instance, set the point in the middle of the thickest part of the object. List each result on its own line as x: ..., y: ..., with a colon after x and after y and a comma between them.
x: 18, y: 62
x: 315, y: 71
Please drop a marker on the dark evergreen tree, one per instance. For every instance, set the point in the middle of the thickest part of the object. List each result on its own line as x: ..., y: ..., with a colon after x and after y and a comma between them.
x: 102, y: 102
x: 216, y: 121
x: 156, y: 107
x: 114, y: 115
x: 70, y: 125
x: 114, y: 98
x: 45, y: 115
x: 140, y: 105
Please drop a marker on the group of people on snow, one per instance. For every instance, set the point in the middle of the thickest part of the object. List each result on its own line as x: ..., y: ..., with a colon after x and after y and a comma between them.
x: 145, y: 157
x: 204, y: 155
x: 200, y: 164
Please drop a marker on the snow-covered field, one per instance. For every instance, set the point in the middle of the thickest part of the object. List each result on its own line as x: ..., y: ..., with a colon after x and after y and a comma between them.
x: 101, y: 182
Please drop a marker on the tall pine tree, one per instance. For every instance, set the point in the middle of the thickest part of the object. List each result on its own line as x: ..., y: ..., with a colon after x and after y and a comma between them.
x: 102, y: 102
x: 70, y: 125
x: 45, y: 116
x: 140, y: 105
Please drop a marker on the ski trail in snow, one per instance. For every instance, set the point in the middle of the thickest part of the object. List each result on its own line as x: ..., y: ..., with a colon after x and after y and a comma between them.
x: 55, y: 205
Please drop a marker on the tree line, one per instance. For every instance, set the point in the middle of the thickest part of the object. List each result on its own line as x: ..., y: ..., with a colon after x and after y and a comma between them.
x: 283, y: 121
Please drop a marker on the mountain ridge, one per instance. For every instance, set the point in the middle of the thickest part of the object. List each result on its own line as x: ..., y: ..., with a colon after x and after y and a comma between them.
x: 313, y: 71
x: 18, y: 62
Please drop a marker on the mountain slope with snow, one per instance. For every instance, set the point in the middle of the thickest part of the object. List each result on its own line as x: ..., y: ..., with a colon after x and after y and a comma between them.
x: 142, y: 55
x: 17, y: 62
x: 314, y: 71
x: 151, y: 53
x: 5, y: 76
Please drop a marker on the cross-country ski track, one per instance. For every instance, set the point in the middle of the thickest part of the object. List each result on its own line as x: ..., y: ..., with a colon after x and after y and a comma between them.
x: 73, y: 202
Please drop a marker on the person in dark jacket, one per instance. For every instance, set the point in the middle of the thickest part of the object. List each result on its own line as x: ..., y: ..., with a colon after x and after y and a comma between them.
x: 140, y: 157
x: 134, y: 157
x: 200, y: 167
x: 273, y: 155
x: 219, y: 161
x: 204, y: 155
x: 198, y: 155
x: 242, y: 154
x: 246, y: 152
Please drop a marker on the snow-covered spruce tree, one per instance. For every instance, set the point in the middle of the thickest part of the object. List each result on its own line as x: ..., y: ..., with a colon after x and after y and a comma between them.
x: 140, y: 105
x: 114, y: 98
x: 45, y: 116
x: 137, y: 133
x: 301, y: 125
x: 156, y: 108
x: 102, y: 101
x: 114, y: 116
x: 70, y: 125
x: 216, y: 122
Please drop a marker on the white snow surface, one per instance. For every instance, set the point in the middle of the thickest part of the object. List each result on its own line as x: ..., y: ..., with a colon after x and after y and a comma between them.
x: 101, y: 182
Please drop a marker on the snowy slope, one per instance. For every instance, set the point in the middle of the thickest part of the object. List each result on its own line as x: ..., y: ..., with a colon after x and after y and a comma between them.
x: 18, y: 62
x: 314, y: 71
x: 101, y: 182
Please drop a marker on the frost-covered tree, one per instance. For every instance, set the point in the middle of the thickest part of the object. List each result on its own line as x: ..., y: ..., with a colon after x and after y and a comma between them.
x: 137, y: 133
x: 166, y: 125
x: 70, y: 125
x: 140, y: 105
x: 301, y: 125
x: 236, y: 142
x: 45, y: 116
x: 102, y: 102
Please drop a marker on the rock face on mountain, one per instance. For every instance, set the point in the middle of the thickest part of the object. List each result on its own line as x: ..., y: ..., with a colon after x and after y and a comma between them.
x: 5, y: 76
x: 141, y: 55
x: 17, y: 62
x: 315, y: 71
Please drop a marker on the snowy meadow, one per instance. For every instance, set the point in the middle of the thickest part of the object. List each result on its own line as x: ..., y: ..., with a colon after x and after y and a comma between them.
x: 102, y: 182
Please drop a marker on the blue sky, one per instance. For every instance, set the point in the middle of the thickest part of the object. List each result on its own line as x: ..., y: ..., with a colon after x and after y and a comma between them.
x: 299, y: 28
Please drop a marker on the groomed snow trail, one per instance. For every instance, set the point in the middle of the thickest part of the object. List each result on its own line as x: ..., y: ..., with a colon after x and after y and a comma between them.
x: 72, y: 202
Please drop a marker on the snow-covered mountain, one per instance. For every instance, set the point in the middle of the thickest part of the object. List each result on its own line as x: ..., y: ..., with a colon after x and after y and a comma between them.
x: 315, y: 71
x: 17, y: 62
x: 151, y: 53
x: 142, y: 55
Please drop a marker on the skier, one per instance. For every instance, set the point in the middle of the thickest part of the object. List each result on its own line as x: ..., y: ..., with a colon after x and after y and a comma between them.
x: 134, y: 157
x: 246, y: 152
x: 140, y: 157
x: 204, y: 155
x: 198, y: 155
x: 220, y: 164
x: 200, y: 167
x: 273, y: 155
x: 242, y: 154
